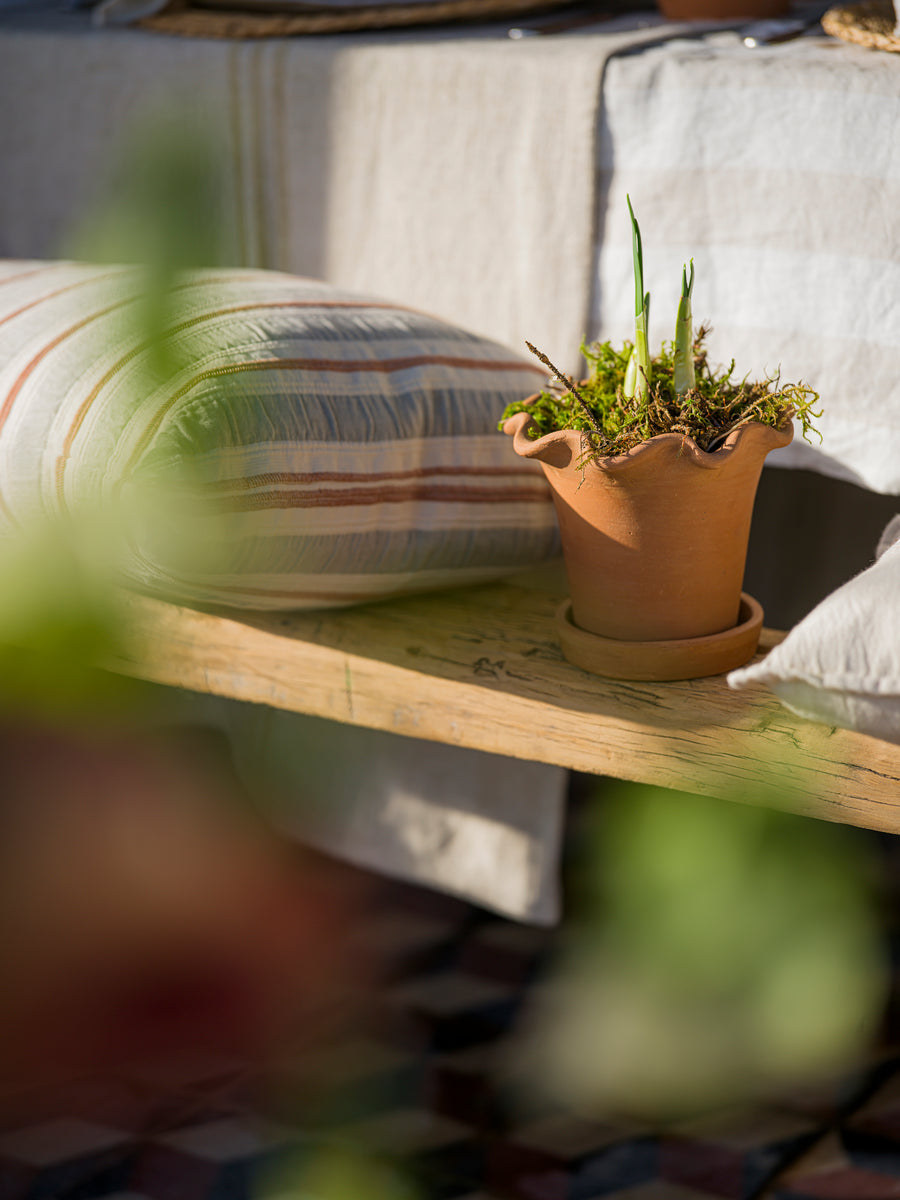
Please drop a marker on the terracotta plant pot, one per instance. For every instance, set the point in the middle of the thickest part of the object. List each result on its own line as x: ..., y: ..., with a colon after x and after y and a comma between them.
x: 655, y: 540
x: 722, y: 10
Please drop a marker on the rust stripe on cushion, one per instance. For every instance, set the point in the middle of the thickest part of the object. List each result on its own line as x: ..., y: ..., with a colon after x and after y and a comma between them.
x: 51, y: 266
x: 353, y: 498
x: 299, y: 478
x: 42, y: 353
x: 69, y: 287
x: 86, y: 404
x: 7, y: 512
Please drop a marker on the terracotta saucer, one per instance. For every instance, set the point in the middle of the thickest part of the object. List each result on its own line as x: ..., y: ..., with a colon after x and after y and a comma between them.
x: 683, y: 658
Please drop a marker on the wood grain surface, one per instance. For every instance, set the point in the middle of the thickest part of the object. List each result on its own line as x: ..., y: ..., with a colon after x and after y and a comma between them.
x: 481, y: 667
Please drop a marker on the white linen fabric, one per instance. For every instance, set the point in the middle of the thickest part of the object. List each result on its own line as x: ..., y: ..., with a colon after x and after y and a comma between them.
x: 451, y: 170
x: 890, y: 535
x: 841, y: 664
x: 752, y: 163
x: 475, y: 825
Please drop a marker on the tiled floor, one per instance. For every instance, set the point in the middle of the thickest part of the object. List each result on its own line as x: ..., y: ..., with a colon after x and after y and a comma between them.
x: 416, y: 1080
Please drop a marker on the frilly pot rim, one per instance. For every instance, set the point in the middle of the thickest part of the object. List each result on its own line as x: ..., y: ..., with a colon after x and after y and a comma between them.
x: 552, y: 447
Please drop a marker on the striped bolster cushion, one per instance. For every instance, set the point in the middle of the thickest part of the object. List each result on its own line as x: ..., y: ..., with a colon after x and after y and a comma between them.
x: 305, y: 447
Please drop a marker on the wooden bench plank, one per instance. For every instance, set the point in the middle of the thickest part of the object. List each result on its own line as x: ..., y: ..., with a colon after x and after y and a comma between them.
x: 481, y: 667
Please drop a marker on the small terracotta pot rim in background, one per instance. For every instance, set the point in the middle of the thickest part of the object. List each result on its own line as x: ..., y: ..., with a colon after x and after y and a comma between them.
x: 722, y: 10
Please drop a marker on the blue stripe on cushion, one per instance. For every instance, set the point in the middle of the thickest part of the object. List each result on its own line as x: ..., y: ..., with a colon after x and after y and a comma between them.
x: 259, y: 411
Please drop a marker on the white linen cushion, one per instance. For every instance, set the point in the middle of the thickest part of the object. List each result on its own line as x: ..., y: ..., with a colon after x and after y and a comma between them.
x: 841, y: 663
x: 304, y: 446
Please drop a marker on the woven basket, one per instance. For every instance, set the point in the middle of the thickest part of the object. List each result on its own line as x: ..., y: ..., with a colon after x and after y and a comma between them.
x: 868, y: 24
x: 182, y: 18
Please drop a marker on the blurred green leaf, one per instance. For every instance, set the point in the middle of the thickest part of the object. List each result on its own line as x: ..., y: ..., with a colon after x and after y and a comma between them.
x: 337, y: 1174
x: 726, y: 950
x: 59, y: 619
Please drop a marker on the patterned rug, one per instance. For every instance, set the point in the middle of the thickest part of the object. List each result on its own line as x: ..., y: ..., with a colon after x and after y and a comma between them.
x: 413, y: 1078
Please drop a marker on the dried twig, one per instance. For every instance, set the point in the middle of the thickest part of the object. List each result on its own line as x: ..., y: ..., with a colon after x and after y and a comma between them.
x: 563, y: 378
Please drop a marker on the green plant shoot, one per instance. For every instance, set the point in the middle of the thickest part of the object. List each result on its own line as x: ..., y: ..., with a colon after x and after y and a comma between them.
x: 641, y: 379
x: 630, y: 376
x: 630, y: 397
x: 684, y: 337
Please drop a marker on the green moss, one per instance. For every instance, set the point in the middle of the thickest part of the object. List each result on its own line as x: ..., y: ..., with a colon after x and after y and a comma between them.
x: 707, y: 413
